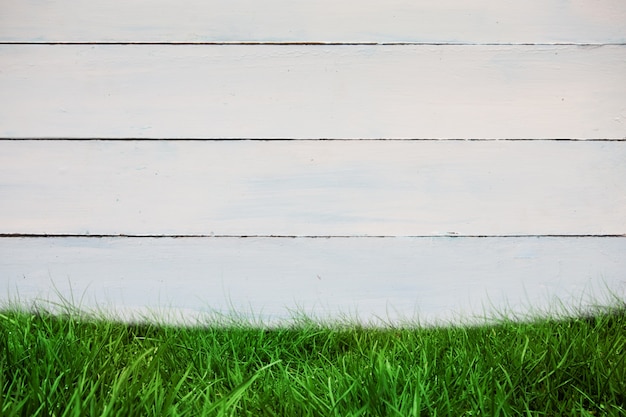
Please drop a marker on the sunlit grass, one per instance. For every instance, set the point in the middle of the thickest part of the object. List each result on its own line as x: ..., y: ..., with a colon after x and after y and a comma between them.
x: 75, y: 365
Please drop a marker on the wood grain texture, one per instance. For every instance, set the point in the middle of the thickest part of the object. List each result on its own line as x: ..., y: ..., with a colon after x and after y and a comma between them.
x: 295, y: 91
x: 513, y: 75
x: 329, y: 188
x: 365, y: 278
x: 459, y: 21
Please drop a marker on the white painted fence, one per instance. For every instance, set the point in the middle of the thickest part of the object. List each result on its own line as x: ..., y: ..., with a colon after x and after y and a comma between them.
x: 378, y: 159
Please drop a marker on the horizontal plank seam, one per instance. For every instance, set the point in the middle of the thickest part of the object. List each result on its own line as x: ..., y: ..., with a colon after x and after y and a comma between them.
x: 235, y: 139
x: 183, y: 236
x: 589, y: 44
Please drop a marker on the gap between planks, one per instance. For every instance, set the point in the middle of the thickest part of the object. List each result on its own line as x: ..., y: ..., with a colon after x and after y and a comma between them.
x: 234, y: 139
x: 215, y: 236
x: 582, y: 44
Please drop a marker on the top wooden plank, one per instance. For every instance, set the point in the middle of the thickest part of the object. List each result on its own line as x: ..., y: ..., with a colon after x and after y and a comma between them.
x: 341, y: 21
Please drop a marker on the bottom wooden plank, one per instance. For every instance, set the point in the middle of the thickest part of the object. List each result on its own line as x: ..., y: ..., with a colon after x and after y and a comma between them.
x: 368, y: 279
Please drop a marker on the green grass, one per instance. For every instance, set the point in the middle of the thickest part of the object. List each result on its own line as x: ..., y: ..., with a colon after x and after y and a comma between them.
x: 72, y: 365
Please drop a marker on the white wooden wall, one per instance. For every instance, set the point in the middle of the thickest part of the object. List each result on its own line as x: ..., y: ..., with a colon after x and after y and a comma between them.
x: 367, y: 158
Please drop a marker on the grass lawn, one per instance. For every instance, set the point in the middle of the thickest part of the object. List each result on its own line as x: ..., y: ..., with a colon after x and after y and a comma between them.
x: 70, y: 365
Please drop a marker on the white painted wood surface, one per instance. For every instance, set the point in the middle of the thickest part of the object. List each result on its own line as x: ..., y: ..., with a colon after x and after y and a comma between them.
x: 328, y: 188
x: 372, y: 279
x: 510, y: 76
x: 304, y: 91
x: 458, y: 21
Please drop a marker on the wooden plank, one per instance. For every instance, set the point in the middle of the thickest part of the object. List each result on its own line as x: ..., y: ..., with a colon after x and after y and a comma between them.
x: 365, y: 278
x: 300, y: 91
x: 531, y: 21
x: 333, y: 188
